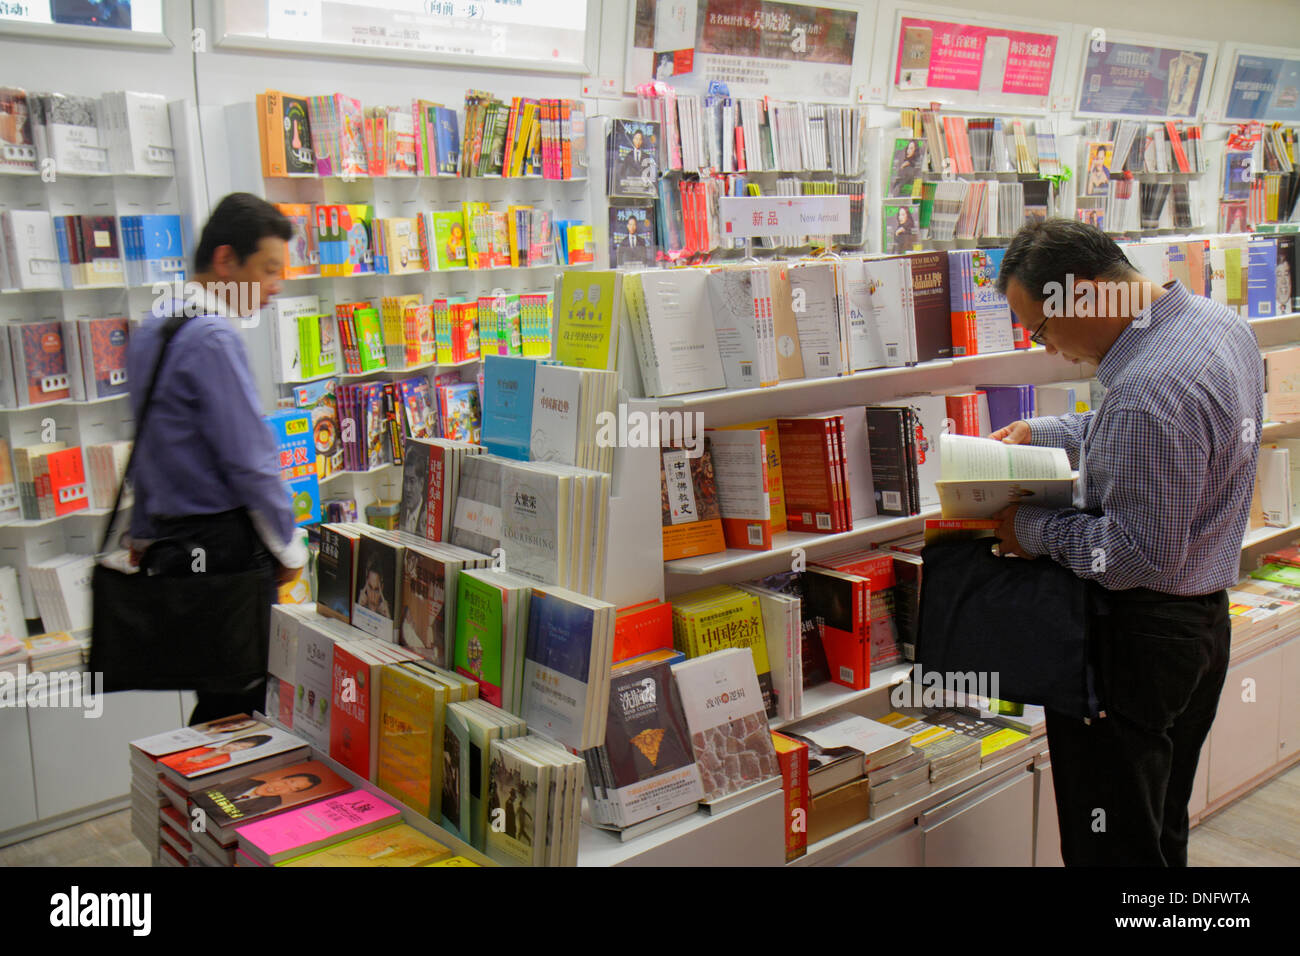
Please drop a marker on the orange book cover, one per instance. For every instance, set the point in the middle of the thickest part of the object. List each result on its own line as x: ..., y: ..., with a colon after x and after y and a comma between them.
x: 964, y: 339
x: 262, y: 134
x: 67, y: 477
x: 275, y: 132
x: 642, y: 628
x: 792, y: 757
x: 692, y: 519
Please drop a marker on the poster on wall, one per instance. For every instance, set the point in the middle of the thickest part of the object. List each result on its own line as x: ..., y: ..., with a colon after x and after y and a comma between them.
x: 1263, y: 88
x: 1155, y: 82
x: 136, y: 16
x: 757, y: 47
x: 538, y: 34
x: 965, y: 63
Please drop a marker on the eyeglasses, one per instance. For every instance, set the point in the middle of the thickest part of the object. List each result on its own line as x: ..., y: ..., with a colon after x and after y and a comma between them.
x: 1036, y: 336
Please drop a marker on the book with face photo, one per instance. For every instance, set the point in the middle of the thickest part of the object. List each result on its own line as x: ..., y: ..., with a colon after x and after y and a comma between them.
x: 633, y: 156
x: 906, y: 166
x: 379, y: 564
x: 902, y: 232
x: 632, y: 236
x: 1097, y: 179
x: 269, y: 791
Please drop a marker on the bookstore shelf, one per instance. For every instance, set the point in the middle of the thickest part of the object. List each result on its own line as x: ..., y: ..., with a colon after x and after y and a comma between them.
x: 1264, y: 535
x: 829, y: 850
x: 1275, y: 430
x: 824, y: 698
x: 784, y: 544
x: 359, y: 474
x: 1266, y: 319
x: 83, y: 513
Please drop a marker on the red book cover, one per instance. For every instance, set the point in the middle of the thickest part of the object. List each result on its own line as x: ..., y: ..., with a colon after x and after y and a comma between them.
x: 108, y: 342
x: 837, y: 482
x: 806, y: 473
x: 642, y: 628
x: 1177, y: 142
x: 844, y: 475
x: 792, y: 756
x: 964, y: 410
x: 436, y: 490
x: 837, y: 600
x: 67, y: 477
x: 566, y: 147
x: 350, y: 718
x: 1288, y: 556
x: 45, y: 362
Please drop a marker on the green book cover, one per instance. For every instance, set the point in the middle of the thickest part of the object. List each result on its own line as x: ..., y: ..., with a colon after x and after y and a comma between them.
x: 585, y: 315
x: 370, y: 335
x: 479, y: 623
x: 1280, y: 573
x: 315, y: 351
x: 473, y: 242
x: 449, y: 237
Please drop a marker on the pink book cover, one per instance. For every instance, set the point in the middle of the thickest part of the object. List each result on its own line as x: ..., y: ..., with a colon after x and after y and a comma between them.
x: 288, y: 833
x: 108, y: 338
x: 47, y: 365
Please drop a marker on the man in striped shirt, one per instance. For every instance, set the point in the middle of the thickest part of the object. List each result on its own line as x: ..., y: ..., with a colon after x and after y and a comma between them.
x: 1166, y: 474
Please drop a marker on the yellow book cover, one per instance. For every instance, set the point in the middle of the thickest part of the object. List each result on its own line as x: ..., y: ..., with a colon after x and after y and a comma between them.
x: 727, y: 618
x: 406, y: 766
x: 454, y: 861
x: 999, y: 739
x: 400, y: 845
x: 775, y: 486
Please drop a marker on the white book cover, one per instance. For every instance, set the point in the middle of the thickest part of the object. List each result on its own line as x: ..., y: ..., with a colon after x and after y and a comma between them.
x: 870, y: 737
x: 72, y: 134
x: 781, y: 626
x: 765, y: 326
x: 812, y: 294
x: 148, y: 134
x: 32, y: 250
x: 867, y: 348
x: 683, y: 348
x: 888, y: 282
x: 979, y: 477
x: 313, y: 670
x: 8, y: 394
x: 724, y: 713
x: 731, y: 295
x: 857, y: 462
x: 1274, y: 484
x: 535, y: 523
x: 739, y: 465
x: 287, y: 310
x: 200, y: 735
x: 557, y: 414
x: 1057, y: 399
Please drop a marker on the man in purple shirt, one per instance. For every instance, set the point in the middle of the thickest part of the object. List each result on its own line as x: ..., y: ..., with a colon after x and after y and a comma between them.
x: 206, y: 469
x: 1166, y: 471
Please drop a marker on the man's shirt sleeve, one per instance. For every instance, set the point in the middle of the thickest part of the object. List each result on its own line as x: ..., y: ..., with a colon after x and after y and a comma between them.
x: 1147, y: 481
x: 1065, y: 431
x: 243, y: 444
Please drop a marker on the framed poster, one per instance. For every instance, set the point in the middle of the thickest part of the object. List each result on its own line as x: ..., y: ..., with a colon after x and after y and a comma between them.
x: 554, y: 36
x: 120, y: 22
x: 1261, y: 83
x: 1156, y: 78
x: 971, y: 63
x: 782, y: 48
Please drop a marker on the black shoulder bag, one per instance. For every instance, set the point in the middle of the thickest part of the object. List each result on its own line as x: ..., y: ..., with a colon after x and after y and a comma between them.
x: 199, y: 631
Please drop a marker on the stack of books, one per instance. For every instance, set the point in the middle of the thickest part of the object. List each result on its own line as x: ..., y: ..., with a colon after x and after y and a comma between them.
x: 55, y: 652
x: 534, y: 802
x: 62, y: 589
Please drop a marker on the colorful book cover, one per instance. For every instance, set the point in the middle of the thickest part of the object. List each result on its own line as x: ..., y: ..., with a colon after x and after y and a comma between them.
x: 397, y: 846
x: 268, y: 791
x: 370, y: 335
x: 305, y: 828
x: 479, y: 633
x: 423, y: 627
x: 460, y: 412
x: 297, y: 456
x: 585, y: 317
x: 45, y: 361
x: 691, y: 518
x: 558, y: 668
x: 508, y: 405
x: 320, y: 399
x: 108, y: 344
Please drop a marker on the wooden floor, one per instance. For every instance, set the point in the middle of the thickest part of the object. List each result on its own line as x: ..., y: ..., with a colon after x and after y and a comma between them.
x: 1260, y: 829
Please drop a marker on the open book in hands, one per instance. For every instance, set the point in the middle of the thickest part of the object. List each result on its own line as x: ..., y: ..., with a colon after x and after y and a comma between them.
x: 979, y: 477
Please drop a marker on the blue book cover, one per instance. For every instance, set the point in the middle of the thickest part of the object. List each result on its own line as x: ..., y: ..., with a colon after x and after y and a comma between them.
x: 1261, y: 279
x: 508, y: 405
x: 448, y: 141
x: 1007, y: 403
x: 159, y: 244
x: 293, y: 435
x: 557, y: 667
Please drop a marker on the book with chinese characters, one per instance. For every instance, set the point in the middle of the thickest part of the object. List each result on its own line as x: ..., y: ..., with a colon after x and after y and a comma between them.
x: 691, y: 516
x: 315, y: 826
